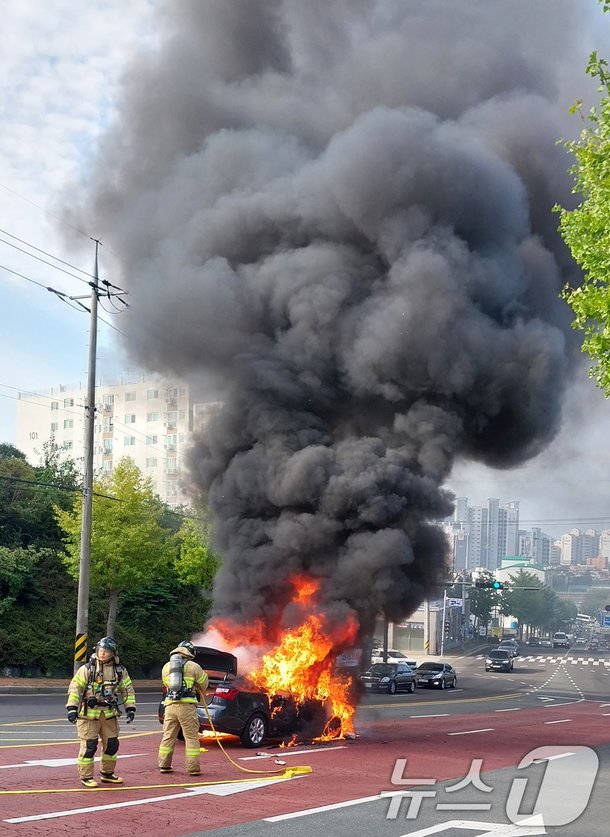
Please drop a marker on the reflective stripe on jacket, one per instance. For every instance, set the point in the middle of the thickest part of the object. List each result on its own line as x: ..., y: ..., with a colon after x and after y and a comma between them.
x: 81, y: 689
x: 195, y: 681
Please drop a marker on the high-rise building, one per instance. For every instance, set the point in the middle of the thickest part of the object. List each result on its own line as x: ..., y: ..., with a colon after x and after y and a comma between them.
x: 487, y: 533
x: 151, y: 420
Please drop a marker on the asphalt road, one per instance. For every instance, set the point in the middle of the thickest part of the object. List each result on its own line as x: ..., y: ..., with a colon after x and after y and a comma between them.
x: 425, y: 743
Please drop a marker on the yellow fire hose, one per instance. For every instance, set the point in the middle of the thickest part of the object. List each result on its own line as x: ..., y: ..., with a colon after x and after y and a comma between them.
x: 282, y: 773
x: 238, y: 766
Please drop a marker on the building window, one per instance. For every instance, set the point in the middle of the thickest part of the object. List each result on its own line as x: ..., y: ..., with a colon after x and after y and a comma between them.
x: 129, y: 440
x: 171, y: 463
x: 68, y: 402
x: 172, y: 417
x: 67, y: 445
x: 151, y: 394
x: 151, y: 462
x: 130, y: 396
x: 152, y: 440
x: 55, y: 405
x: 107, y: 424
x: 170, y: 440
x: 107, y: 401
x: 68, y: 424
x: 54, y: 426
x: 107, y: 445
x: 107, y: 466
x: 181, y: 415
x: 172, y: 392
x: 130, y: 418
x: 152, y: 416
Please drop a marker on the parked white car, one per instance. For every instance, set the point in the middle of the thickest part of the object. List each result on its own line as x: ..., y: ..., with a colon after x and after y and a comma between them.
x: 393, y: 657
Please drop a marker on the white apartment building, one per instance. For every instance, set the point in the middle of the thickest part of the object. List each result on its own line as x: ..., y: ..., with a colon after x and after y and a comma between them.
x: 151, y: 420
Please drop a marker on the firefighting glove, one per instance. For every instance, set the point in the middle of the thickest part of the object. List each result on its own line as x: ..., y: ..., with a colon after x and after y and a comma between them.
x: 130, y: 712
x: 72, y: 714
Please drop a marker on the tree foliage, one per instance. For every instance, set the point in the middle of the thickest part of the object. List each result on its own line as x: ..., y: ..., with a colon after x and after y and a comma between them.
x: 196, y: 563
x: 158, y: 605
x: 129, y: 546
x: 586, y: 229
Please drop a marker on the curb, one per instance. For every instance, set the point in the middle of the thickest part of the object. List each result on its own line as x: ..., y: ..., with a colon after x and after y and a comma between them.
x: 63, y: 690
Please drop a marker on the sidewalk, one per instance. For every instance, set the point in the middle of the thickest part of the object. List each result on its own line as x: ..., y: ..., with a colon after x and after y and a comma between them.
x: 48, y: 685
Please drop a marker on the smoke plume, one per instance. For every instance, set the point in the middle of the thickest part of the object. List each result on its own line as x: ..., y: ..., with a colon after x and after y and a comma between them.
x: 340, y: 212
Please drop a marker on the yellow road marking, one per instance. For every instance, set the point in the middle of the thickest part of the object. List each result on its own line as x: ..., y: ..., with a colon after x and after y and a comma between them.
x: 289, y: 773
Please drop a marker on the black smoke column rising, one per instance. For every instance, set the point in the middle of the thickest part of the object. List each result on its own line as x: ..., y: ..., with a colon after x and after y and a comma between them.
x: 340, y: 210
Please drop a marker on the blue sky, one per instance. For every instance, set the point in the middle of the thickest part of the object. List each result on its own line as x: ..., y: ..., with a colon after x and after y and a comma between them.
x: 59, y: 68
x: 59, y: 72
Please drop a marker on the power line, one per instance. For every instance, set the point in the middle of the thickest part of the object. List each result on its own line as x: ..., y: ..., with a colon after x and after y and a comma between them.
x: 46, y: 211
x: 36, y: 484
x: 57, y: 259
x: 44, y: 261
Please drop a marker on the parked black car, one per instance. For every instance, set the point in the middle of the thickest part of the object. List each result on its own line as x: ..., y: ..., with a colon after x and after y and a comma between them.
x: 389, y: 677
x: 498, y: 659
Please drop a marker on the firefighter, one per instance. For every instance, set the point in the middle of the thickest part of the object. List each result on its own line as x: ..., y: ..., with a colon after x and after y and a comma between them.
x: 93, y: 706
x: 184, y: 684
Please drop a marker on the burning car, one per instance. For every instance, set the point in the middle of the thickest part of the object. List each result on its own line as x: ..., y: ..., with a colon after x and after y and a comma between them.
x: 255, y: 716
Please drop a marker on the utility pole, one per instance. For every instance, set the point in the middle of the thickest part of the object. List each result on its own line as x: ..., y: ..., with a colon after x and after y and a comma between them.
x: 82, y: 612
x: 444, y: 619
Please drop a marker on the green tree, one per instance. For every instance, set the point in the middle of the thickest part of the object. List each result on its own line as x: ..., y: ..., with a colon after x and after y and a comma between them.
x: 594, y: 601
x: 16, y: 571
x: 8, y: 451
x: 129, y: 547
x: 586, y: 229
x: 196, y: 563
x: 483, y: 601
x: 528, y: 607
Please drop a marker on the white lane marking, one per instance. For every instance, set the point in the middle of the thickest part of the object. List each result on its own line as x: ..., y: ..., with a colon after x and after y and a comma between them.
x: 471, y: 731
x: 60, y: 762
x: 322, y: 808
x: 442, y: 715
x: 562, y: 721
x: 291, y: 752
x: 514, y: 709
x: 524, y: 828
x: 216, y: 790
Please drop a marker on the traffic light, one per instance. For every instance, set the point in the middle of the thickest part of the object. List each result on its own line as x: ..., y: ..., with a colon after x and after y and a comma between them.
x: 446, y: 627
x: 491, y: 585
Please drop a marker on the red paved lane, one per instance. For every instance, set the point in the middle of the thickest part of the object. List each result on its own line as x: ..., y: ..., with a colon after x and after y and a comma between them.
x: 341, y: 771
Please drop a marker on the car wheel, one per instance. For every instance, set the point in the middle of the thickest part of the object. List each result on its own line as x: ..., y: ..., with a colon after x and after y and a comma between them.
x: 454, y: 684
x: 442, y: 683
x: 411, y: 687
x: 392, y: 688
x: 254, y: 732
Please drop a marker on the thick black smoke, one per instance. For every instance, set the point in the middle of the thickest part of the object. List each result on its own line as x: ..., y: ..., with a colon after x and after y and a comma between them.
x: 340, y: 210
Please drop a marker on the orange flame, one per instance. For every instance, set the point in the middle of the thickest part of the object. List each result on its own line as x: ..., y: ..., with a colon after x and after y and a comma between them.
x: 302, y: 661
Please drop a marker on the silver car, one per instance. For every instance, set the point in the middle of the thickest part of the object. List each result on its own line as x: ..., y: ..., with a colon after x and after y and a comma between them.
x: 439, y: 675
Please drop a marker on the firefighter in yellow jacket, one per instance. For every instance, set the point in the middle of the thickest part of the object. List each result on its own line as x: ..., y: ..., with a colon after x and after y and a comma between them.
x: 185, y: 684
x: 93, y: 706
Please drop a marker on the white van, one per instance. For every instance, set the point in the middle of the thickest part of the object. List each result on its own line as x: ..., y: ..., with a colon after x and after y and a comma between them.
x: 561, y: 640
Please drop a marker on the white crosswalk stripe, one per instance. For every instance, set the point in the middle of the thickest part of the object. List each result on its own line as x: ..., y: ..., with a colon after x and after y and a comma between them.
x: 594, y: 661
